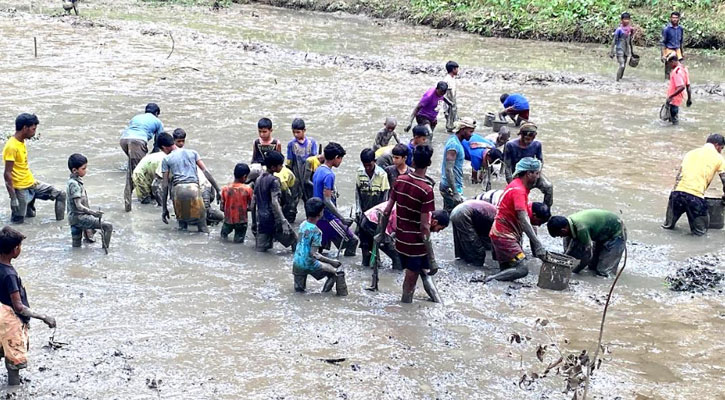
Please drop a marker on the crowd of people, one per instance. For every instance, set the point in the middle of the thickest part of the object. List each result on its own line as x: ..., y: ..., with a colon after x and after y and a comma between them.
x: 395, y: 210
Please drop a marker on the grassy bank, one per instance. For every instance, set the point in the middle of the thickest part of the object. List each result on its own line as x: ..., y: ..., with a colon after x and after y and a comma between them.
x: 556, y: 20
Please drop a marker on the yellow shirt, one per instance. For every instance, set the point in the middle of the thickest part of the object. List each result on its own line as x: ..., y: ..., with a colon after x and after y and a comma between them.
x: 384, y: 150
x: 698, y: 168
x: 286, y: 178
x: 313, y: 162
x: 16, y: 152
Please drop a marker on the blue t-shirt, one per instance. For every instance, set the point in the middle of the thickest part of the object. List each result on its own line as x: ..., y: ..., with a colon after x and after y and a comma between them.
x: 409, y: 157
x: 475, y: 156
x: 310, y: 236
x: 453, y: 144
x: 516, y: 100
x: 143, y: 127
x: 323, y: 179
x: 181, y: 165
x: 298, y: 152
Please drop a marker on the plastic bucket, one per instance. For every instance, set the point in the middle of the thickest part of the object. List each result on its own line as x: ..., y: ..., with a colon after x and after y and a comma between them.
x: 634, y: 61
x: 498, y: 124
x: 715, y: 209
x: 556, y: 271
x: 488, y: 120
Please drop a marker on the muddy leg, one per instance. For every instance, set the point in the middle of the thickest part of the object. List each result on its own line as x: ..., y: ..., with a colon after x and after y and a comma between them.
x: 107, y: 233
x: 515, y: 271
x: 201, y: 226
x: 674, y: 211
x: 430, y: 287
x: 300, y: 283
x: 13, y: 376
x: 340, y: 284
x: 409, y: 282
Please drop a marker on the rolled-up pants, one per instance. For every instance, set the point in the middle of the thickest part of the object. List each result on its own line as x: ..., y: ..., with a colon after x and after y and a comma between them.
x: 26, y: 200
x: 601, y: 257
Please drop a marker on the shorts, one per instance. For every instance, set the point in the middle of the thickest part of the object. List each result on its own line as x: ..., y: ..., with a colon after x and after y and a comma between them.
x: 26, y: 199
x: 667, y: 52
x: 14, y: 338
x: 421, y: 120
x: 188, y: 204
x: 265, y: 241
x: 524, y: 114
x: 415, y: 264
x: 240, y: 231
x: 318, y: 273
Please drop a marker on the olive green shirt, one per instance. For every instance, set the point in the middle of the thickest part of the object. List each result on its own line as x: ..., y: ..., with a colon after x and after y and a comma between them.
x: 595, y: 226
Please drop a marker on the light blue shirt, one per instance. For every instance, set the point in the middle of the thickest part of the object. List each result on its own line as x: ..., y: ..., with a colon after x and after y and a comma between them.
x: 310, y: 236
x: 453, y: 144
x: 181, y: 165
x: 143, y: 127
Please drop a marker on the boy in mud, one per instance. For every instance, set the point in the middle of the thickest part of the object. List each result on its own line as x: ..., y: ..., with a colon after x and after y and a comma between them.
x: 399, y: 166
x: 80, y: 216
x: 22, y: 187
x: 426, y: 112
x: 421, y: 135
x: 482, y: 153
x: 452, y: 164
x: 527, y: 146
x: 299, y: 149
x: 287, y: 183
x: 451, y: 108
x: 382, y: 138
x: 335, y: 228
x: 622, y: 45
x: 271, y: 224
x: 264, y: 143
x: 134, y: 142
x: 672, y: 41
x: 515, y: 107
x: 369, y: 226
x: 15, y: 312
x: 371, y: 186
x: 236, y: 202
x: 412, y: 194
x: 311, y: 165
x: 697, y: 171
x: 146, y: 180
x: 596, y: 238
x: 679, y: 85
x: 308, y: 260
x: 213, y: 216
x: 512, y: 222
x: 180, y: 178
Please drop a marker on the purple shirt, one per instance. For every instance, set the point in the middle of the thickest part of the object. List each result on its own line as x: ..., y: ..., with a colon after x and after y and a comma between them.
x: 428, y: 104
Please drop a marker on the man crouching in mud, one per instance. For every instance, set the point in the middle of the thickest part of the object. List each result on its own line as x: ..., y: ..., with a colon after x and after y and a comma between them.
x: 413, y: 195
x: 512, y: 221
x: 179, y: 170
x: 15, y: 312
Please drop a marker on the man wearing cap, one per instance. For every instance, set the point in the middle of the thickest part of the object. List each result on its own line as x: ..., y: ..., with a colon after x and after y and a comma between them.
x: 426, y: 112
x: 679, y: 84
x: 696, y: 173
x: 452, y: 165
x: 512, y: 222
x: 527, y: 146
x: 134, y: 140
x: 597, y: 238
x: 672, y: 39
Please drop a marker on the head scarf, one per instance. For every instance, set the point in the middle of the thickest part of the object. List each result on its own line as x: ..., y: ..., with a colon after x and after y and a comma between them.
x: 527, y: 164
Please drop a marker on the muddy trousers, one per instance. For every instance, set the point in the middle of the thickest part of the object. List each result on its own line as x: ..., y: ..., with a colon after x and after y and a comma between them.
x: 622, y: 61
x: 449, y: 201
x: 451, y: 114
x: 14, y: 346
x: 468, y: 244
x: 26, y: 201
x: 213, y: 216
x: 510, y: 271
x: 135, y: 150
x: 86, y: 222
x: 547, y: 188
x: 601, y: 257
x: 240, y: 231
x: 695, y: 208
x: 367, y: 236
x: 333, y: 276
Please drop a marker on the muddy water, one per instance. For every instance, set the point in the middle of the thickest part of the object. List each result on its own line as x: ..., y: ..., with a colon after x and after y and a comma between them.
x: 215, y: 320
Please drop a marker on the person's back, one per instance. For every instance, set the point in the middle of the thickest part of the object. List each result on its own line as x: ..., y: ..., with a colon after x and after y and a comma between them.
x: 148, y: 165
x: 698, y: 170
x: 236, y: 197
x: 181, y: 163
x: 596, y: 225
x: 309, y: 236
x: 143, y: 127
x: 482, y: 215
x: 517, y: 101
x: 515, y: 198
x: 475, y: 149
x: 414, y: 196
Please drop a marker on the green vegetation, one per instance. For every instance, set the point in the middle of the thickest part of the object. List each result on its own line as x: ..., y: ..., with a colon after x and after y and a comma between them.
x: 576, y: 20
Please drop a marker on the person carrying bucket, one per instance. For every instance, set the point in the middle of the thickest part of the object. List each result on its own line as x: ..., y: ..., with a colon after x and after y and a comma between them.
x: 696, y: 172
x: 595, y: 237
x: 622, y: 45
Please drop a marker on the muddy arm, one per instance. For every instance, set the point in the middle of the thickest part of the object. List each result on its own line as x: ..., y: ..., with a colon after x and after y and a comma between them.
x: 9, y: 180
x: 331, y: 206
x: 722, y: 179
x: 210, y: 178
x: 165, y: 198
x: 276, y: 207
x: 536, y: 246
x: 508, y: 166
x: 83, y: 209
x: 450, y: 163
x: 412, y: 117
x: 315, y: 253
x: 20, y: 308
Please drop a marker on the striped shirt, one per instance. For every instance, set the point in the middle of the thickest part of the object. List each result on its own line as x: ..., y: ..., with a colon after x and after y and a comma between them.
x: 413, y: 196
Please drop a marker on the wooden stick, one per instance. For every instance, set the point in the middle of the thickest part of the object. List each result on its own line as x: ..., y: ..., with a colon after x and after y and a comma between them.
x: 35, y: 46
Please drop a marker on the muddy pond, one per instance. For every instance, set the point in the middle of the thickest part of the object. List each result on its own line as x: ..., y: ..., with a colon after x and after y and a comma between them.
x: 180, y: 315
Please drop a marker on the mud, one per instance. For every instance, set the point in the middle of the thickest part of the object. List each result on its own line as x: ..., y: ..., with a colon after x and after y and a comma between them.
x: 698, y: 276
x: 183, y: 315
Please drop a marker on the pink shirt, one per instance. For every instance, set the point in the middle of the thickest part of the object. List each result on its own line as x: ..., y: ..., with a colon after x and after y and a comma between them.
x: 372, y: 216
x: 678, y: 77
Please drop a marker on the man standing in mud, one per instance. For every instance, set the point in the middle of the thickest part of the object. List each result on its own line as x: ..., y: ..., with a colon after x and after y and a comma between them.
x: 527, y: 146
x: 452, y: 166
x: 622, y: 46
x: 672, y: 39
x: 19, y: 181
x: 451, y: 111
x: 679, y: 85
x: 696, y: 173
x: 140, y: 130
x: 426, y: 112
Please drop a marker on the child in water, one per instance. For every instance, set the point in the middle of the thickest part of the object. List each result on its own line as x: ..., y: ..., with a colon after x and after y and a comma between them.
x: 271, y: 224
x: 236, y: 201
x: 265, y: 143
x: 80, y: 217
x: 308, y: 260
x: 15, y: 312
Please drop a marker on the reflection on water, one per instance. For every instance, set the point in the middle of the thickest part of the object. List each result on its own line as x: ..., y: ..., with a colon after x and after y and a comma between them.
x: 214, y: 319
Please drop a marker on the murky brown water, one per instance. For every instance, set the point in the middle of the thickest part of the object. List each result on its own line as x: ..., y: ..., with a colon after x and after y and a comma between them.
x: 217, y: 320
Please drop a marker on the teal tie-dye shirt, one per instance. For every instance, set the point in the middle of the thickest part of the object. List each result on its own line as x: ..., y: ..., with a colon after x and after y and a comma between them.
x: 310, y: 236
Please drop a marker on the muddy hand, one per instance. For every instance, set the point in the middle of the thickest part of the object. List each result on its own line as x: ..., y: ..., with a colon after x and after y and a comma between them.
x: 407, y: 128
x: 165, y: 216
x: 50, y: 321
x: 14, y: 205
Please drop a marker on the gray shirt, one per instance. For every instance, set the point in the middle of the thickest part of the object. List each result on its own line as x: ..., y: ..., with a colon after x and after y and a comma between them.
x: 181, y: 165
x: 75, y: 190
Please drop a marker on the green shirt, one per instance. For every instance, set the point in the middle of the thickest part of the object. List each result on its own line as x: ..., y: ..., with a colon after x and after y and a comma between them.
x: 595, y: 226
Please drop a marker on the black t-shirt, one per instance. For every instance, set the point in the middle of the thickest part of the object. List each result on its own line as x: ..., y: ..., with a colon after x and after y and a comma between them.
x: 513, y: 153
x: 10, y: 283
x: 266, y: 186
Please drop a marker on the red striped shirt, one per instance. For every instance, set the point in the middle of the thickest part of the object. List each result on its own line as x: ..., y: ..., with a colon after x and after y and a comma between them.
x: 413, y: 196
